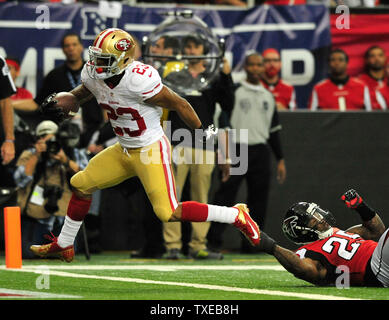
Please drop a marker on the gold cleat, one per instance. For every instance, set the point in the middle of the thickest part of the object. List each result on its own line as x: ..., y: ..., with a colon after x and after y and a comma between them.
x: 54, y: 250
x: 246, y: 224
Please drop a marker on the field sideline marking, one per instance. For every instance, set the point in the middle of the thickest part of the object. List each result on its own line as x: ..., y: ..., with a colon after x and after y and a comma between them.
x: 310, y: 296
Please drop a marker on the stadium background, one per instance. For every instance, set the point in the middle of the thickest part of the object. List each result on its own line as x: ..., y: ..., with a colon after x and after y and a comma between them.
x: 326, y: 153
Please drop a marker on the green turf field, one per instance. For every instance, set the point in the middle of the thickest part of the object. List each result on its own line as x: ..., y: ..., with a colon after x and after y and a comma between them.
x: 114, y: 276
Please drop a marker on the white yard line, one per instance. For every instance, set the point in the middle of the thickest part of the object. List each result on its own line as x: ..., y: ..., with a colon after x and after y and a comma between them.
x: 154, y: 267
x: 33, y: 294
x: 52, y: 272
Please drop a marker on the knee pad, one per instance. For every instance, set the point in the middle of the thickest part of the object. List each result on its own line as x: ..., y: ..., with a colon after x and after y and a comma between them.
x: 80, y: 182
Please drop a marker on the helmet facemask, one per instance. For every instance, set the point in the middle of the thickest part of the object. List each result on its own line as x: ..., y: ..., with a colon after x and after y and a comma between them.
x: 302, y: 224
x: 321, y: 216
x: 103, y: 65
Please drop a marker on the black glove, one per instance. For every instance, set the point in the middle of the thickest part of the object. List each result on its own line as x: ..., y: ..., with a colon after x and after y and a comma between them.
x: 49, y: 109
x: 354, y: 201
x: 266, y: 244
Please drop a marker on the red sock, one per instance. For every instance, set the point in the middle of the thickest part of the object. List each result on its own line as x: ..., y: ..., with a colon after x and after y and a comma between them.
x: 194, y: 211
x: 78, y: 208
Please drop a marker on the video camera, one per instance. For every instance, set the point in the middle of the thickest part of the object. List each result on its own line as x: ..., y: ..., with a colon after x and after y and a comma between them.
x: 53, y: 145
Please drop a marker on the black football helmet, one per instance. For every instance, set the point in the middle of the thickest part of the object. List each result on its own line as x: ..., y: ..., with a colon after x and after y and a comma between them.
x: 295, y: 224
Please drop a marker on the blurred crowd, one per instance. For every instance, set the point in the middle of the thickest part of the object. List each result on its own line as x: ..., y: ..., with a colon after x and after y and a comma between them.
x: 242, y: 3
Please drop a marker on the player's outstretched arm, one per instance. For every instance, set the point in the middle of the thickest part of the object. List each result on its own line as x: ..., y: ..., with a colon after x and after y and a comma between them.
x: 82, y: 94
x: 305, y: 269
x: 168, y: 99
x: 372, y: 226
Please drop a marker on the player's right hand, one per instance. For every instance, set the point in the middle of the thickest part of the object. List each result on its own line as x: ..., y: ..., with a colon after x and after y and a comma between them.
x: 210, y: 132
x: 49, y: 109
x: 352, y: 199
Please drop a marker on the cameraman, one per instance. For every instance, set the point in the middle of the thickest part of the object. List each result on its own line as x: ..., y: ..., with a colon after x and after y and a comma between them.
x: 43, y: 175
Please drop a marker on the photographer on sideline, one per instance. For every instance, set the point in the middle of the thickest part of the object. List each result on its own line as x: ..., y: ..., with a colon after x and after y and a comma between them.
x: 43, y: 175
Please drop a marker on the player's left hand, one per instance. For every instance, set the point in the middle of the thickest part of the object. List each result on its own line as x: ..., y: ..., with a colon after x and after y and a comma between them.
x: 352, y: 199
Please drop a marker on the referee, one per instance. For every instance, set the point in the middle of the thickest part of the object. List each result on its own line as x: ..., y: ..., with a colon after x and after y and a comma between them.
x: 7, y: 138
x: 254, y: 110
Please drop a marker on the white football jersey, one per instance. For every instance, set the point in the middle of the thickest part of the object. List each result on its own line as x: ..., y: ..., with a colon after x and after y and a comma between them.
x: 135, y: 123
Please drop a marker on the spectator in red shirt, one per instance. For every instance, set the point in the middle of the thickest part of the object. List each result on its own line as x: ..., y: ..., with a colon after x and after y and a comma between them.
x: 375, y: 75
x: 340, y: 91
x: 14, y: 68
x: 283, y: 92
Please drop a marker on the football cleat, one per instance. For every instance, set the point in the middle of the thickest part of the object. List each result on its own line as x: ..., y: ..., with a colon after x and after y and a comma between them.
x: 246, y: 224
x: 54, y: 250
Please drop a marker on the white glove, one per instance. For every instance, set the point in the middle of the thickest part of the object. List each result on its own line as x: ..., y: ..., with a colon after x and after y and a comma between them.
x: 210, y: 132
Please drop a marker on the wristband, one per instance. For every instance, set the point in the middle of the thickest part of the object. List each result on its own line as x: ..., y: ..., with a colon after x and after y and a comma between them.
x: 365, y: 212
x: 9, y: 140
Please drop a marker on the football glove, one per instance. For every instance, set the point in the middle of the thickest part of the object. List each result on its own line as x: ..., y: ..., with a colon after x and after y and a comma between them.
x: 49, y: 109
x: 352, y: 199
x: 206, y: 134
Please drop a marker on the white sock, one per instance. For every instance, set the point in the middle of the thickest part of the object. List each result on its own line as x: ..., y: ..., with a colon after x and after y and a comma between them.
x: 222, y: 214
x: 68, y: 232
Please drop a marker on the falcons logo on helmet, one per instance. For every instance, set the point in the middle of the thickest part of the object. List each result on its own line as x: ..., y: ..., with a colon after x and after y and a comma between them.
x: 123, y: 45
x: 289, y: 225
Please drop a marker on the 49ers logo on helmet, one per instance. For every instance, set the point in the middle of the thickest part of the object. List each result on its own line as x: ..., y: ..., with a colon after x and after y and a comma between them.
x: 123, y: 45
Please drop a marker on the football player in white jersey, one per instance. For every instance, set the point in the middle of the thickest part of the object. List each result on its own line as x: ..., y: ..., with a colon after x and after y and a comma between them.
x: 133, y: 96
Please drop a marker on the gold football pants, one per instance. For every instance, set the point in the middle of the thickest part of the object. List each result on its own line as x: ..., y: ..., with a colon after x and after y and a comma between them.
x: 152, y: 164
